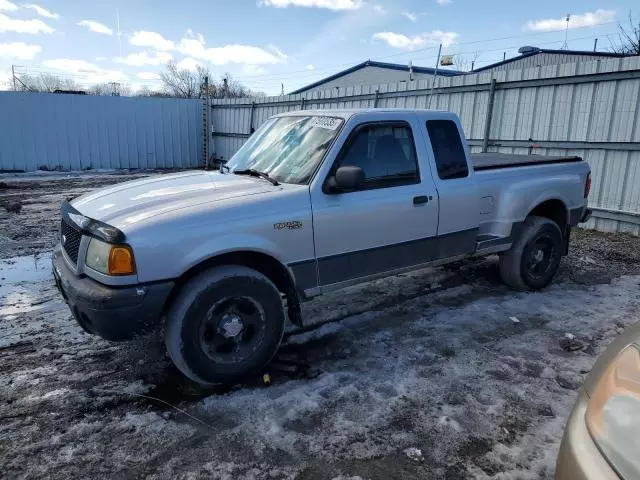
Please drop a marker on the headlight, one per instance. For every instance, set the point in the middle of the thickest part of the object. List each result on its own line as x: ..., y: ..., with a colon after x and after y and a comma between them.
x: 110, y: 259
x: 613, y: 413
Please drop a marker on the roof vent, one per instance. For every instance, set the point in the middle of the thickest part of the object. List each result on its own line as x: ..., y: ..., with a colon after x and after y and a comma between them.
x: 527, y: 49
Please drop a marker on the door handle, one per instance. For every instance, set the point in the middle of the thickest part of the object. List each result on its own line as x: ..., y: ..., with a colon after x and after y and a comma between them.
x: 421, y: 200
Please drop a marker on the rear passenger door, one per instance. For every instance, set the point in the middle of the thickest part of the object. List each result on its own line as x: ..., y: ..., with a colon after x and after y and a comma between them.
x: 456, y: 184
x: 389, y: 223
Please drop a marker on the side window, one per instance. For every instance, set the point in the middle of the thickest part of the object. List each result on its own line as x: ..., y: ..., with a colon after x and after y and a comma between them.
x: 447, y: 149
x: 385, y: 152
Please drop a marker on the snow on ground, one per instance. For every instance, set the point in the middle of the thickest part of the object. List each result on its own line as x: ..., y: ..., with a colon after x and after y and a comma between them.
x: 423, y: 375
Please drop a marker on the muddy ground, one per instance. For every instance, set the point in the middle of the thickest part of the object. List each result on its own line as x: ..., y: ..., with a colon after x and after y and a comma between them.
x: 442, y: 373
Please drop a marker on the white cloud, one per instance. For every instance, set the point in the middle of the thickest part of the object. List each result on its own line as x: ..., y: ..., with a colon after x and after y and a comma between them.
x: 444, y: 2
x: 190, y: 64
x: 379, y: 9
x: 252, y: 70
x: 19, y: 50
x: 154, y: 40
x: 100, y: 59
x: 143, y: 58
x: 398, y: 40
x: 8, y: 6
x: 149, y: 76
x: 43, y: 12
x: 329, y: 4
x: 310, y: 67
x: 85, y: 73
x: 23, y: 26
x: 589, y: 19
x: 411, y: 16
x: 243, y: 54
x: 95, y: 27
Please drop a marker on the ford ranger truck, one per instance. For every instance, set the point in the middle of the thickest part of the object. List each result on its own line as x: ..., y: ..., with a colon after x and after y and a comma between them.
x: 314, y: 201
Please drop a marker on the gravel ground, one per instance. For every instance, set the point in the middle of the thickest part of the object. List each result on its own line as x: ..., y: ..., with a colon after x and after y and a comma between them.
x: 441, y: 373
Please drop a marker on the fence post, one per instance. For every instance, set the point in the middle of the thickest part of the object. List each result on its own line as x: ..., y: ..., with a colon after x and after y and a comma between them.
x: 207, y: 125
x: 253, y: 108
x: 302, y: 103
x: 487, y: 124
x: 375, y: 100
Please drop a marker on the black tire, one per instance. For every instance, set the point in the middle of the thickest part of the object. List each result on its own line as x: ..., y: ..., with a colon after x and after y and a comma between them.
x: 209, y: 348
x: 523, y: 267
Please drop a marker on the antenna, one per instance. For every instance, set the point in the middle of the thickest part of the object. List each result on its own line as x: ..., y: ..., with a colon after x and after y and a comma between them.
x: 118, y: 33
x: 565, y: 46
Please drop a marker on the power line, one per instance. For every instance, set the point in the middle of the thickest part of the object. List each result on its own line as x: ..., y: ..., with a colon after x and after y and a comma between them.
x: 413, y: 52
x: 272, y: 81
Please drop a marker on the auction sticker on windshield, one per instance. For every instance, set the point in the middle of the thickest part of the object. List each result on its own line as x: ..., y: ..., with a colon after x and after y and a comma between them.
x: 329, y: 123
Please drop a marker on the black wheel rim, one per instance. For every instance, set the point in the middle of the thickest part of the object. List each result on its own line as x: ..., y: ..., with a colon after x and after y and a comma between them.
x: 232, y: 330
x: 540, y: 256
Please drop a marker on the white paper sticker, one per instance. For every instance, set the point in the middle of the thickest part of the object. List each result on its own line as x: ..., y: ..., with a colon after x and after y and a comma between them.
x: 329, y: 123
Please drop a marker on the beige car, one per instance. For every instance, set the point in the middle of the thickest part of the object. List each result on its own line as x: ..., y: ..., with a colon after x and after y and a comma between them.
x: 602, y: 437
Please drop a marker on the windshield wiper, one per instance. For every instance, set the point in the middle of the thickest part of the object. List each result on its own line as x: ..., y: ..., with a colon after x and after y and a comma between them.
x: 256, y: 173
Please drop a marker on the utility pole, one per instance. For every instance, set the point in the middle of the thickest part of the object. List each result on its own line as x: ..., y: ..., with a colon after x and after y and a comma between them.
x: 435, y: 74
x: 595, y: 44
x: 565, y: 46
x: 13, y: 76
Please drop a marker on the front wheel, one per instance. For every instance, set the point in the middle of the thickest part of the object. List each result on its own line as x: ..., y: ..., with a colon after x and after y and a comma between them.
x: 534, y: 258
x: 225, y: 324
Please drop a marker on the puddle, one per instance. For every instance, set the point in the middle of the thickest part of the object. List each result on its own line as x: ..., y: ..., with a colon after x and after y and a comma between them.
x: 28, y: 268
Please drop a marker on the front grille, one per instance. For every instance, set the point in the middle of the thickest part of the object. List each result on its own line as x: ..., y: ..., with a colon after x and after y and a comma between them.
x: 70, y: 239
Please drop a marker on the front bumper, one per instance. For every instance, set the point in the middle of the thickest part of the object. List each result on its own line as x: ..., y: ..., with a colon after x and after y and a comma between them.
x: 579, y: 457
x: 113, y: 313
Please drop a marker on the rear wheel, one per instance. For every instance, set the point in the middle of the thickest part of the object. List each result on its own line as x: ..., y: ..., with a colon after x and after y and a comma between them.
x: 225, y: 324
x: 534, y: 258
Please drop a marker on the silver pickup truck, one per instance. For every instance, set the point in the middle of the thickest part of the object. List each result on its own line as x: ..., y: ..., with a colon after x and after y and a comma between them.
x: 313, y: 201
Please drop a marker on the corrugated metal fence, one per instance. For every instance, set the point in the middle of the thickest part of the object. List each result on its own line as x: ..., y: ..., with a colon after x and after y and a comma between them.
x: 590, y: 109
x: 81, y: 132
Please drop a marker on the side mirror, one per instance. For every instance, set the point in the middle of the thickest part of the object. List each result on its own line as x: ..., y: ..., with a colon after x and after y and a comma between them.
x: 347, y: 178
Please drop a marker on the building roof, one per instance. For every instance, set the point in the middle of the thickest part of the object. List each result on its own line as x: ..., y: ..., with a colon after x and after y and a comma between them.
x: 536, y: 51
x: 370, y: 63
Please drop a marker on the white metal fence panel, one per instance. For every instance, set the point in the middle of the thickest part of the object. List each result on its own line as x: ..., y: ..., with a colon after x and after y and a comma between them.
x: 591, y: 109
x: 81, y: 132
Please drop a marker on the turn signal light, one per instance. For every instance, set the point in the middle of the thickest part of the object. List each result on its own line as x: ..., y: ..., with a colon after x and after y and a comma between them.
x: 121, y: 261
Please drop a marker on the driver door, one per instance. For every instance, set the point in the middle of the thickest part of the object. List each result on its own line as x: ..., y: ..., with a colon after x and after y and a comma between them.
x: 390, y: 223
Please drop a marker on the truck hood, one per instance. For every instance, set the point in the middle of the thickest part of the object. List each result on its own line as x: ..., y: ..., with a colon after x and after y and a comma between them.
x: 128, y: 203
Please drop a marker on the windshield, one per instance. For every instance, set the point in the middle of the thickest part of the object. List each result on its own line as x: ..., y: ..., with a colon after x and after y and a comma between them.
x: 288, y: 149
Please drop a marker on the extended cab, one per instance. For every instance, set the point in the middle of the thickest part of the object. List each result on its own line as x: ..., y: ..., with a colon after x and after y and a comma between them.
x: 313, y: 201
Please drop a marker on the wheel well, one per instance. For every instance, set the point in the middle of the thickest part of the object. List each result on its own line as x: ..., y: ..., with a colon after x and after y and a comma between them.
x: 554, y: 210
x: 261, y: 262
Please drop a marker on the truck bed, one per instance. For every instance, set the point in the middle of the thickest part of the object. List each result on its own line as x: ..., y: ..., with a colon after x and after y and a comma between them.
x: 490, y: 161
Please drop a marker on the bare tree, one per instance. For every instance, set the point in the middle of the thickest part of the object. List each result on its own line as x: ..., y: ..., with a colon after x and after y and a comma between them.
x: 191, y: 84
x: 145, y: 91
x: 45, y: 82
x: 628, y: 38
x: 465, y: 63
x: 184, y: 83
x: 229, y: 87
x: 111, y: 88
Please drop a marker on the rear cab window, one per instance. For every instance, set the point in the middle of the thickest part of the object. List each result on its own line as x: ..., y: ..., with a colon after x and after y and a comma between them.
x: 448, y: 150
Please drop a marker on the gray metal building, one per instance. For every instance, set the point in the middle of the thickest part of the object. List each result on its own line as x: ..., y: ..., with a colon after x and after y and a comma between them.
x: 540, y: 57
x: 374, y: 73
